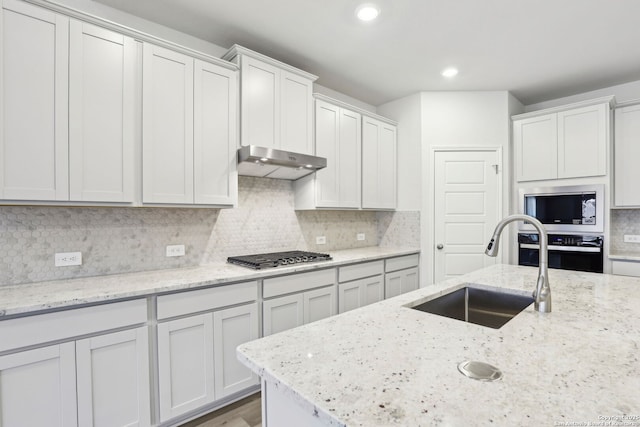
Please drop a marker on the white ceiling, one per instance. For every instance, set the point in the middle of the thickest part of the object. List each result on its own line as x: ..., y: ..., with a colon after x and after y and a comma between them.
x: 536, y: 49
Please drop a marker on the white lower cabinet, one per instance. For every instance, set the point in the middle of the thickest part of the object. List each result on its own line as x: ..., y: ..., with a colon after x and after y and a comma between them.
x: 290, y: 311
x: 232, y: 327
x: 113, y: 379
x: 102, y: 380
x: 185, y: 365
x: 197, y: 362
x: 297, y: 299
x: 359, y: 293
x: 401, y: 275
x: 400, y: 282
x: 38, y: 387
x: 360, y: 284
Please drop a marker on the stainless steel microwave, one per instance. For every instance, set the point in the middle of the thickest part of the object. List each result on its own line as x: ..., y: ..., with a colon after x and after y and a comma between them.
x: 576, y: 208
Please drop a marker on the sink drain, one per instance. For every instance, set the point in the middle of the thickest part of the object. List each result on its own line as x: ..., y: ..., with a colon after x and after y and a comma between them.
x: 479, y: 371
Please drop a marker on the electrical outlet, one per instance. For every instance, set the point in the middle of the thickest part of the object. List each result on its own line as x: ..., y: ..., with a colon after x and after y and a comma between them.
x: 66, y: 259
x: 321, y: 240
x: 175, y: 250
x: 632, y: 238
x: 360, y: 236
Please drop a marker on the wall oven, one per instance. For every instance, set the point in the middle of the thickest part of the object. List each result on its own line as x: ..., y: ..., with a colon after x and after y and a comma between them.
x: 566, y: 251
x: 574, y: 219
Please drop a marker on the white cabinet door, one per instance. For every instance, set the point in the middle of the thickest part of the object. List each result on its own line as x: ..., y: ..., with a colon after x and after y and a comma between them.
x: 232, y: 327
x: 627, y: 153
x: 282, y: 313
x: 349, y: 159
x: 536, y: 148
x: 113, y: 379
x: 38, y: 387
x: 102, y: 76
x: 349, y: 296
x: 372, y: 289
x: 582, y: 141
x: 215, y: 134
x: 296, y: 113
x: 260, y: 103
x: 400, y: 282
x: 167, y: 126
x: 378, y: 164
x: 185, y: 364
x: 338, y: 139
x: 33, y: 103
x: 319, y: 304
x: 361, y: 292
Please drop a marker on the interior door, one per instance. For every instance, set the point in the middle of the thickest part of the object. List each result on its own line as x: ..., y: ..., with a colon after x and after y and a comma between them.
x: 466, y: 209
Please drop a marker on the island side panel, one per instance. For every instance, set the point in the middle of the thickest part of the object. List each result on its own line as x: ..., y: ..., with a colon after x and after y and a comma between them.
x: 278, y: 410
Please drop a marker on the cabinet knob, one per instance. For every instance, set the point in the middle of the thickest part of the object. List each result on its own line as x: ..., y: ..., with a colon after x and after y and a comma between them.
x: 440, y: 246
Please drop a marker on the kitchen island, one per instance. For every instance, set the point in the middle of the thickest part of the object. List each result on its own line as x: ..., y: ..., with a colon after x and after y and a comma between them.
x: 387, y: 364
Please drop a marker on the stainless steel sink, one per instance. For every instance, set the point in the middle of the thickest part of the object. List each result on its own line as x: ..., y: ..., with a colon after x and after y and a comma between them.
x: 480, y: 306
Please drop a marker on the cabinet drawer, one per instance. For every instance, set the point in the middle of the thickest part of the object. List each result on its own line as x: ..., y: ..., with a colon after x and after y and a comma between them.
x: 625, y: 268
x: 358, y: 271
x: 39, y: 329
x: 298, y: 282
x: 206, y: 299
x: 401, y: 262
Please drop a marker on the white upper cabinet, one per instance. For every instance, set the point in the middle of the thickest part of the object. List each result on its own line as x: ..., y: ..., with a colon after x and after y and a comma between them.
x: 215, y: 134
x: 167, y: 126
x: 361, y: 170
x: 102, y: 76
x: 189, y: 130
x: 33, y: 103
x: 566, y: 142
x: 276, y: 102
x: 378, y: 164
x: 627, y: 152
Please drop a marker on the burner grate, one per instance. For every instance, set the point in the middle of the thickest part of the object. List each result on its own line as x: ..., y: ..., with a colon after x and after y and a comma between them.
x: 275, y: 259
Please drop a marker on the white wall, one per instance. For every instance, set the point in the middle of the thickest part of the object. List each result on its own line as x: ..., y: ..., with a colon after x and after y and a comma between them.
x: 407, y: 112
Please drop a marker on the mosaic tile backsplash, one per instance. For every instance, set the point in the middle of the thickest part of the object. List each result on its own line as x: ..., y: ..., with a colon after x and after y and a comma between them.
x: 624, y: 221
x: 122, y: 240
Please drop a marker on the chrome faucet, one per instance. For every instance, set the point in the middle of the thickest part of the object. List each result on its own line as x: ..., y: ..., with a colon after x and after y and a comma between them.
x: 542, y: 293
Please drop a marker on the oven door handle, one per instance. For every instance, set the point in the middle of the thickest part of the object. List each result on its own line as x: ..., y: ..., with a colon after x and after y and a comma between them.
x: 563, y: 248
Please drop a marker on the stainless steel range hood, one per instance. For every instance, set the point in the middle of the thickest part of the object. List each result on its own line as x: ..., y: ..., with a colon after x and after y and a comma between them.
x: 279, y: 164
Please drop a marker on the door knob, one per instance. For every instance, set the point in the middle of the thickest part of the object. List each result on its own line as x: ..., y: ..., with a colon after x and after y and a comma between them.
x: 440, y: 246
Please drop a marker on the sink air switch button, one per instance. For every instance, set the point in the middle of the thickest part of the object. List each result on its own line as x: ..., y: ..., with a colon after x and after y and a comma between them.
x: 479, y: 371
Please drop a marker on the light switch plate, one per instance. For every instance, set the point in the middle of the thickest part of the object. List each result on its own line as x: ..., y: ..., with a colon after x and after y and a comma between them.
x: 66, y: 259
x: 360, y: 236
x: 632, y: 238
x: 321, y: 240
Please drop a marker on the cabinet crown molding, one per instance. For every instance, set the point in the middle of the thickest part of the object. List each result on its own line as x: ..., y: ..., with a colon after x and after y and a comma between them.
x: 611, y: 100
x: 237, y: 50
x: 131, y: 32
x: 353, y: 108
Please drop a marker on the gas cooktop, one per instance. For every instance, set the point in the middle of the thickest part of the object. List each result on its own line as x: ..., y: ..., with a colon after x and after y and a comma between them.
x: 275, y: 259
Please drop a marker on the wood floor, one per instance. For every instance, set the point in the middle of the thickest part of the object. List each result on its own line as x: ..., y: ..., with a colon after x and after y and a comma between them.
x: 243, y: 413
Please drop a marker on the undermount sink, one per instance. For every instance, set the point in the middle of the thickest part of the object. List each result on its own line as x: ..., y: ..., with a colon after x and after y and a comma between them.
x: 480, y: 306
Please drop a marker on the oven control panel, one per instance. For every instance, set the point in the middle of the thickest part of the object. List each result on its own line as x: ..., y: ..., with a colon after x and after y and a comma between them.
x: 563, y: 239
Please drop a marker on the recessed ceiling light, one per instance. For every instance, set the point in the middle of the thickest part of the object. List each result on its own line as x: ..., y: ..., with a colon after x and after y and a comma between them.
x: 367, y: 12
x: 450, y: 72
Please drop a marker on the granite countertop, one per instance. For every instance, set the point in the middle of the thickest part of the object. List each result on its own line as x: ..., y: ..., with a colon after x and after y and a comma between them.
x: 386, y: 364
x: 29, y: 298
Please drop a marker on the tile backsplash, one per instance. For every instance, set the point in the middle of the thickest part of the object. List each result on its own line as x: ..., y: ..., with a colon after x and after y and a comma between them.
x: 624, y: 221
x: 121, y: 240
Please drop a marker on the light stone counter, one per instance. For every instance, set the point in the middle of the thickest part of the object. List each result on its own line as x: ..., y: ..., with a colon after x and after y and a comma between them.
x: 386, y: 364
x: 33, y: 297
